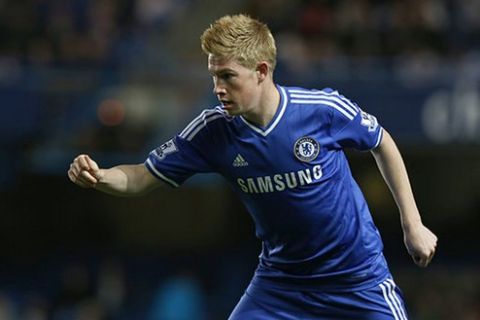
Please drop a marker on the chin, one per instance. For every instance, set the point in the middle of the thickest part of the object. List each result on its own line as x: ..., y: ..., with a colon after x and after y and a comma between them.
x: 232, y: 112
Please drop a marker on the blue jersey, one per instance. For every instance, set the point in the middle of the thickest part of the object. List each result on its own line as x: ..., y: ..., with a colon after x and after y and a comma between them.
x: 295, y: 181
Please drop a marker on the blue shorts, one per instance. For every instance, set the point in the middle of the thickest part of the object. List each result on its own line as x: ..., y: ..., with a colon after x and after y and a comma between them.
x: 382, y: 302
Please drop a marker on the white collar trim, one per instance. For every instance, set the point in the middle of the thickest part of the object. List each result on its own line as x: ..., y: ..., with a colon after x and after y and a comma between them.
x: 273, y: 124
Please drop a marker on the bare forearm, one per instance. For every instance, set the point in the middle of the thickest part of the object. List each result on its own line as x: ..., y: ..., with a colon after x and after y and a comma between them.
x: 392, y: 168
x: 125, y: 180
x: 114, y: 181
x: 122, y: 180
x: 421, y: 243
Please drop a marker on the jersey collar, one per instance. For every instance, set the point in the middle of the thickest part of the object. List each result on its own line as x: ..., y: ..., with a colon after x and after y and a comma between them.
x: 276, y: 118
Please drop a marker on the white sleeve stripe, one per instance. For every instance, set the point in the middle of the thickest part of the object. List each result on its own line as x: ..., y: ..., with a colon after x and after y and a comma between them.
x: 379, y: 139
x: 344, y: 102
x: 200, y: 126
x: 159, y: 175
x: 345, y: 112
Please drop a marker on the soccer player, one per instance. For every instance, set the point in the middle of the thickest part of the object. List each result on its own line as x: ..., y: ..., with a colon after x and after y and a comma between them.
x: 281, y: 149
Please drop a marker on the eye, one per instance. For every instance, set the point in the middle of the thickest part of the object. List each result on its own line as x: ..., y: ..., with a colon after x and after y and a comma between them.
x: 226, y: 76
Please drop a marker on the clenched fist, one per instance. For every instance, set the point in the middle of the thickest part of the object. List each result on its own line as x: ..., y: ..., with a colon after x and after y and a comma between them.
x: 84, y: 172
x: 421, y: 244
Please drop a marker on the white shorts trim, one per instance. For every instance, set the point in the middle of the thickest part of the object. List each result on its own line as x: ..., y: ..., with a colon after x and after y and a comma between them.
x: 392, y: 299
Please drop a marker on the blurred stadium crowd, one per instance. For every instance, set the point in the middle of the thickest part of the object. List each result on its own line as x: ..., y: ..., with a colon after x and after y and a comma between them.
x: 115, y: 78
x: 103, y: 33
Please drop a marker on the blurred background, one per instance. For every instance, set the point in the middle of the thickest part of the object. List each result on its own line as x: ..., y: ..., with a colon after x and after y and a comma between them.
x: 115, y: 79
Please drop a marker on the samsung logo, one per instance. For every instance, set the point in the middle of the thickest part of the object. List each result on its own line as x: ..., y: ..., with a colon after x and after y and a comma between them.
x: 280, y: 182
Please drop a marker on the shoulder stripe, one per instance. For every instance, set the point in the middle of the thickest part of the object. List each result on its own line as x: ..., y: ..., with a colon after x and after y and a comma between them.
x: 201, y: 119
x: 194, y: 122
x: 346, y: 112
x: 306, y: 91
x: 201, y: 125
x: 345, y: 103
x: 310, y: 94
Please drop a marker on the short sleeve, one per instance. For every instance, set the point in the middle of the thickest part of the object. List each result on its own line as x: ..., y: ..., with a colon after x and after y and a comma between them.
x: 190, y: 151
x: 355, y: 128
x: 177, y: 159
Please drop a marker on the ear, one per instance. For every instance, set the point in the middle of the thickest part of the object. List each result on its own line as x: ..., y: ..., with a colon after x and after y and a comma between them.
x: 262, y: 71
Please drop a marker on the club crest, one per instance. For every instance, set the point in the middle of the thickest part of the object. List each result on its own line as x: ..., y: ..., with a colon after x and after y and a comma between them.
x: 306, y: 149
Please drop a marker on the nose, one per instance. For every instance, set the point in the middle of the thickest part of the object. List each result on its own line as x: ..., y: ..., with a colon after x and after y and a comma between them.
x: 218, y: 89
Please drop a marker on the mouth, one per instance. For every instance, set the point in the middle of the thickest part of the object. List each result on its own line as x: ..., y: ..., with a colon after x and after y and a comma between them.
x: 226, y: 104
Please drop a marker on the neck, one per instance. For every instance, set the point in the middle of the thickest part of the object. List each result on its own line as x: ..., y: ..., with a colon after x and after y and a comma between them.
x: 268, y: 103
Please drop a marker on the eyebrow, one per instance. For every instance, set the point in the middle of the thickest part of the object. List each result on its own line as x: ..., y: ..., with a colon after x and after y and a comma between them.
x: 223, y: 71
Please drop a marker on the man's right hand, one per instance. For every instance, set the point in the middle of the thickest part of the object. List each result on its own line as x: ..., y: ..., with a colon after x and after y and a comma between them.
x: 85, y: 172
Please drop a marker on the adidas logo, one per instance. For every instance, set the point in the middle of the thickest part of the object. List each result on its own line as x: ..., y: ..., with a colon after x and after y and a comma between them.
x: 239, y: 161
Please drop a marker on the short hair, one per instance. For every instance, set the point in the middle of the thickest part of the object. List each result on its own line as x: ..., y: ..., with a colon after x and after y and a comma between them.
x: 241, y: 38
